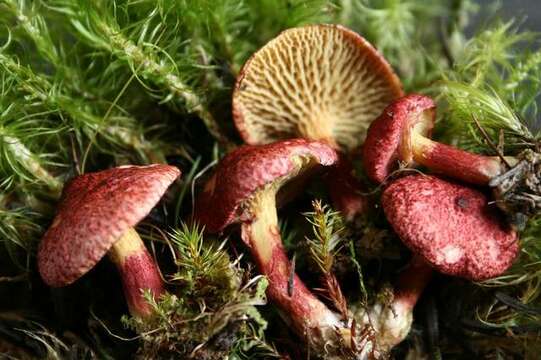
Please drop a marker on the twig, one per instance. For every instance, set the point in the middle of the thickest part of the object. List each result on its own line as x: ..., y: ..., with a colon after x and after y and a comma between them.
x: 517, y: 305
x: 489, y: 141
x: 291, y: 279
x: 15, y: 278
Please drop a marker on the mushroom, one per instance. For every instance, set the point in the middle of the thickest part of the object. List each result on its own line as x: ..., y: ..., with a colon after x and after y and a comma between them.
x: 450, y: 228
x: 243, y: 190
x: 96, y: 216
x: 402, y: 134
x: 392, y: 321
x: 319, y: 82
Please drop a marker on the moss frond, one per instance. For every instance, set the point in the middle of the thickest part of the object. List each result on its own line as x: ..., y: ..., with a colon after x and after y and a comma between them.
x: 213, y: 309
x: 328, y: 235
x: 468, y: 105
x: 19, y: 229
x: 496, y: 82
x: 328, y: 239
x: 489, y: 54
x: 203, y: 268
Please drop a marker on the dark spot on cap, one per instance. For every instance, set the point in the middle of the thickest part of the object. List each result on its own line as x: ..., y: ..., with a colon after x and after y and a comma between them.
x: 462, y: 202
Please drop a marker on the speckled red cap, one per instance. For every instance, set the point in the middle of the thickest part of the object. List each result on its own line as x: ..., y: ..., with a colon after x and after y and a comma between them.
x: 96, y: 209
x: 387, y: 139
x: 249, y: 168
x: 451, y: 226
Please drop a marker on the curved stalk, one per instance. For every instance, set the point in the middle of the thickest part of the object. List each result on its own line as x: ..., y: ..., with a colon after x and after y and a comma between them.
x: 308, y: 316
x: 456, y: 163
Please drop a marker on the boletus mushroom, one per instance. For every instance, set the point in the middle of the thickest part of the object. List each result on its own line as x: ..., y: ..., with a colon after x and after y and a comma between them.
x: 402, y: 134
x: 450, y: 228
x: 96, y: 216
x: 453, y: 227
x: 243, y: 190
x: 319, y: 82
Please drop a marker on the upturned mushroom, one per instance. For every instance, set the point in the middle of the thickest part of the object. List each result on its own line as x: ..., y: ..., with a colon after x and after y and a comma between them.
x: 96, y: 216
x: 319, y: 82
x: 402, y: 134
x: 450, y: 228
x: 243, y: 190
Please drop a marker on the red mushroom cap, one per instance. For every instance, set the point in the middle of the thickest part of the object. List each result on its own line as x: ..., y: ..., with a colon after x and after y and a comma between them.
x: 248, y: 169
x: 96, y: 209
x: 451, y: 226
x: 388, y: 140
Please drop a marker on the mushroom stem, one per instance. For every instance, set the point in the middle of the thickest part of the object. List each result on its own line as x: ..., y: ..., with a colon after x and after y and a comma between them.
x: 456, y: 163
x: 411, y: 283
x: 308, y: 316
x: 393, y: 322
x: 138, y: 272
x: 402, y: 133
x: 343, y: 189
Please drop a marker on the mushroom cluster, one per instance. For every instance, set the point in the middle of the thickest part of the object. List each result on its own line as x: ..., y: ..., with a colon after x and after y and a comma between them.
x: 306, y: 101
x: 401, y: 136
x: 329, y: 86
x: 449, y: 226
